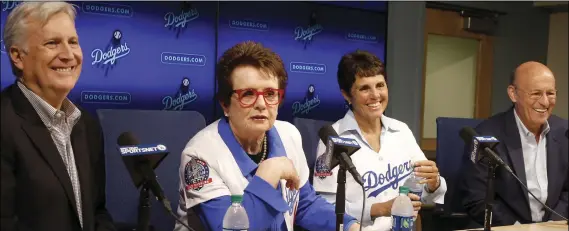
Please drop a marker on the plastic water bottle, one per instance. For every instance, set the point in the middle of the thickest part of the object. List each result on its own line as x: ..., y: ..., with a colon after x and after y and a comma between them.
x: 235, y: 218
x: 402, y: 211
x: 414, y: 185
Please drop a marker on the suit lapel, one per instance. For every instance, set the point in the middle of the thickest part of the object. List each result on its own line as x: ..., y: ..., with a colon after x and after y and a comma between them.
x: 515, y: 152
x: 554, y: 169
x: 36, y: 130
x: 80, y: 152
x: 42, y: 140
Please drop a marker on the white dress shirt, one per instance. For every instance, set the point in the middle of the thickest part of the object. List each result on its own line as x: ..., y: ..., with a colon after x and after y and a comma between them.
x: 535, y: 163
x: 383, y: 172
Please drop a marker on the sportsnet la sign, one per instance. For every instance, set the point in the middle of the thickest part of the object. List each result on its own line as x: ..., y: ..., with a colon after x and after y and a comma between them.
x: 486, y: 139
x: 142, y: 149
x: 344, y: 141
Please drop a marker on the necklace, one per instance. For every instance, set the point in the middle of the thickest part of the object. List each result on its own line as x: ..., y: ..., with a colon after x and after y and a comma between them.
x: 264, y: 149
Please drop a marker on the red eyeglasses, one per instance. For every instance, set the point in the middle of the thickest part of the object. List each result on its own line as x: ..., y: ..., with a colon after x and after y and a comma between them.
x: 248, y: 97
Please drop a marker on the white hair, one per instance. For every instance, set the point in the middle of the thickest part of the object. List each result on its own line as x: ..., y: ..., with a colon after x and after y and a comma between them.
x: 37, y: 12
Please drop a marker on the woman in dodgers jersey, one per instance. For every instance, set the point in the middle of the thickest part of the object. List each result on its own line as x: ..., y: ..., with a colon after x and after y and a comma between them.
x: 388, y: 148
x: 248, y: 152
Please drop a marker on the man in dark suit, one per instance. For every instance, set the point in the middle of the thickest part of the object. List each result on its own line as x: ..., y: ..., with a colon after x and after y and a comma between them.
x: 51, y: 158
x: 533, y: 144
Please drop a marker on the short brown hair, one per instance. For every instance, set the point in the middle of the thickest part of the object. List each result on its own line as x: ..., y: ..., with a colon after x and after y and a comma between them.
x: 358, y: 64
x: 247, y: 53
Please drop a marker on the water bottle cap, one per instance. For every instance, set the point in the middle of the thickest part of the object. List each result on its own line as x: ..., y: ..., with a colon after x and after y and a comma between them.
x: 404, y: 190
x: 236, y: 198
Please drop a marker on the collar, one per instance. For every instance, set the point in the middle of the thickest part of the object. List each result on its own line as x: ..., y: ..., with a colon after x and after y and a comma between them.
x: 524, y: 130
x: 349, y: 123
x: 274, y: 144
x: 47, y: 113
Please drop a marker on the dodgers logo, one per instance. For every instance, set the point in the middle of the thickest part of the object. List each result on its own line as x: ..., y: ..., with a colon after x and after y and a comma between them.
x: 306, y: 35
x: 382, y: 181
x: 184, y: 96
x: 177, y: 21
x: 196, y: 174
x: 310, y: 102
x: 9, y: 5
x: 108, y: 57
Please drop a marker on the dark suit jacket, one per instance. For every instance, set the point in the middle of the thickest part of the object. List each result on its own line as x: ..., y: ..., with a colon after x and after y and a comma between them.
x: 36, y: 191
x: 511, y: 201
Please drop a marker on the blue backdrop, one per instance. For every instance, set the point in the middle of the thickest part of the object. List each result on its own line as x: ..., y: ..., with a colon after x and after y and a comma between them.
x: 310, y: 41
x: 162, y: 55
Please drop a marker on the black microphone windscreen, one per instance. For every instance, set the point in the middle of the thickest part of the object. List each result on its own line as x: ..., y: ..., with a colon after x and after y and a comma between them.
x: 325, y: 132
x: 467, y: 133
x: 127, y: 138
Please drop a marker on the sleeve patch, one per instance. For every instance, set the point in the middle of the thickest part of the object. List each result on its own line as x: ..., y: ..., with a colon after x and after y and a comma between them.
x: 196, y: 174
x: 322, y: 168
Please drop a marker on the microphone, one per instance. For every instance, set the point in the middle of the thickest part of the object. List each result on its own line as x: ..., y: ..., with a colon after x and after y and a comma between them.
x: 483, y: 144
x: 141, y: 160
x: 341, y: 149
x: 486, y: 144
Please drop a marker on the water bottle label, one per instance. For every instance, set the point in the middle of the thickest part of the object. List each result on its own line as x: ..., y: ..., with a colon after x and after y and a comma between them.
x: 401, y: 223
x: 418, y: 193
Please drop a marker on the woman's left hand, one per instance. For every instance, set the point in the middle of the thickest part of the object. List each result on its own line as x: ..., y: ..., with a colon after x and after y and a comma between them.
x: 428, y: 170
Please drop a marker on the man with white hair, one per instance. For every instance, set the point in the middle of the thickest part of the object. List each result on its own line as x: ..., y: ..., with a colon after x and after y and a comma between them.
x: 52, y: 163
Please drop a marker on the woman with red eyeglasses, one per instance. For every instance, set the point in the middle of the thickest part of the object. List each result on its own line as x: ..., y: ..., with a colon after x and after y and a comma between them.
x: 248, y: 152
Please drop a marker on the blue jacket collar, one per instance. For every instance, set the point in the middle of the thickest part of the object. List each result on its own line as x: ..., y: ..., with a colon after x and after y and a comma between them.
x: 247, y: 166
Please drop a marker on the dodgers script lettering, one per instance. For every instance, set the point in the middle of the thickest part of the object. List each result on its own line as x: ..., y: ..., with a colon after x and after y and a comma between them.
x: 308, y: 33
x: 179, y: 102
x: 304, y: 108
x: 111, y: 55
x: 181, y: 19
x: 8, y: 5
x: 390, y: 178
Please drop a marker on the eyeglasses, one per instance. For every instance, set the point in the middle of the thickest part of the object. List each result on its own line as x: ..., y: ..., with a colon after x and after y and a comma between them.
x: 248, y: 97
x: 536, y: 95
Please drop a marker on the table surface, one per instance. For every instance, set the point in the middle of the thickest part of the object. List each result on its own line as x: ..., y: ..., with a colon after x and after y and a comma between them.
x: 544, y: 226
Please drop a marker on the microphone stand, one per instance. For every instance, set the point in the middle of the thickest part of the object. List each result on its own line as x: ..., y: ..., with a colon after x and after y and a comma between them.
x: 144, y: 206
x: 489, y: 195
x: 341, y: 197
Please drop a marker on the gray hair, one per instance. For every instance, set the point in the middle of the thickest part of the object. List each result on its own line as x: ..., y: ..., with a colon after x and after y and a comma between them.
x: 17, y: 22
